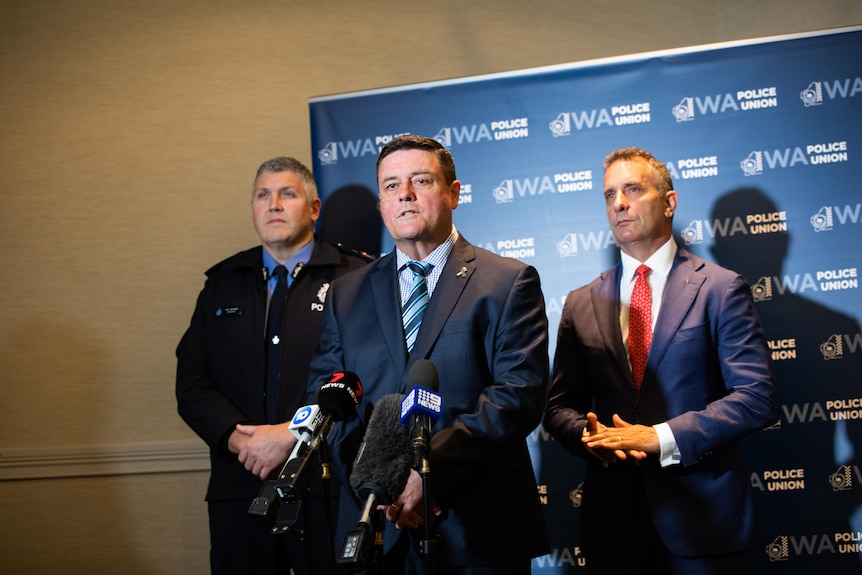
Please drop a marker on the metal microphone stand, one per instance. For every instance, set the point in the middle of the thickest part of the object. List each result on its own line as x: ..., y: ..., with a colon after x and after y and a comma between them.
x: 427, y: 546
x: 325, y: 476
x: 378, y: 520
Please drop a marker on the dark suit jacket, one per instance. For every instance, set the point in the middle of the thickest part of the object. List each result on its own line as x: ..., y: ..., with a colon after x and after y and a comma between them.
x: 485, y: 330
x: 708, y: 375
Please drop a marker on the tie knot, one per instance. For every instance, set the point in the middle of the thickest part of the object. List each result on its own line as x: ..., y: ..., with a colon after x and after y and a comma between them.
x: 420, y: 268
x: 280, y: 272
x: 643, y: 271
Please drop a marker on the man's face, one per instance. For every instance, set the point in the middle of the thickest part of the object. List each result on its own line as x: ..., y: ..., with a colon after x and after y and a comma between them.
x: 640, y: 218
x: 415, y: 201
x: 282, y: 215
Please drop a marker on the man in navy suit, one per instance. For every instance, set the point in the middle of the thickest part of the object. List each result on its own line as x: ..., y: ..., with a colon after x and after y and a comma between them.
x: 666, y: 488
x: 485, y: 329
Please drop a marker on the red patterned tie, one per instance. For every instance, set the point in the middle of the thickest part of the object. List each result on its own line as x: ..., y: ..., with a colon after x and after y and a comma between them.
x: 640, y: 324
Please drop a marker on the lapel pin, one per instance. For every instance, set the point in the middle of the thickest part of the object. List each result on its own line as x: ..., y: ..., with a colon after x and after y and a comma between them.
x: 462, y: 273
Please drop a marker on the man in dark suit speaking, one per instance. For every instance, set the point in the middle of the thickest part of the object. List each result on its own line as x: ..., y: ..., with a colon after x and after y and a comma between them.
x: 661, y: 368
x: 485, y: 330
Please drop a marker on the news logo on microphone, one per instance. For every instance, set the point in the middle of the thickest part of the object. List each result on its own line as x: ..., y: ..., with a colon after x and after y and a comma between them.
x: 421, y: 401
x: 306, y: 421
x: 341, y: 386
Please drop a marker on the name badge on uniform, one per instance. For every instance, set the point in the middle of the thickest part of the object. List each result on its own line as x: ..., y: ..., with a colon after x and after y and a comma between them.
x: 230, y: 311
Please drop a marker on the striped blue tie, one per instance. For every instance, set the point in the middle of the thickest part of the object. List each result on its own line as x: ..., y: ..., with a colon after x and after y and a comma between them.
x: 416, y: 302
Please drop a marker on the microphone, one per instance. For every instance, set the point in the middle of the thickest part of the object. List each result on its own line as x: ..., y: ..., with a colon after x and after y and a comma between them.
x: 423, y: 406
x: 338, y: 399
x: 380, y: 472
x: 306, y: 422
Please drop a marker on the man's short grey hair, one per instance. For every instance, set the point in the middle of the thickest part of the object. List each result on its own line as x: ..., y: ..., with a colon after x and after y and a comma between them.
x: 286, y: 164
x: 658, y: 171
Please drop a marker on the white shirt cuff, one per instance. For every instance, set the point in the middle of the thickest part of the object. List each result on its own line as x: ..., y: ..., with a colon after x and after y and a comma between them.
x: 669, y: 451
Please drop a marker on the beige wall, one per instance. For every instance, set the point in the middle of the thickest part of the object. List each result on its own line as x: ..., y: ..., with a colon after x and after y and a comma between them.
x: 129, y: 134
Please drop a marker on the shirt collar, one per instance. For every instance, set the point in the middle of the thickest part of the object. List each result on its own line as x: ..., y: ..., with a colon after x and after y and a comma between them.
x: 436, y: 258
x: 302, y: 256
x: 660, y: 262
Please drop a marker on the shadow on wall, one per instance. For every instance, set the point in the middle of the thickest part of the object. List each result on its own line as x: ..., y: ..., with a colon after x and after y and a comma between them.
x: 350, y: 216
x: 805, y: 336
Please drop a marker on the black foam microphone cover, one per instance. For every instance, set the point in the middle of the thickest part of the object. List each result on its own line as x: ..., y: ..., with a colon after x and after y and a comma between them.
x: 385, y: 458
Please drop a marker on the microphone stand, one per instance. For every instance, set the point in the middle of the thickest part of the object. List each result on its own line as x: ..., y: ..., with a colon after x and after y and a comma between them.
x: 304, y: 533
x: 378, y: 521
x: 325, y: 477
x: 427, y: 545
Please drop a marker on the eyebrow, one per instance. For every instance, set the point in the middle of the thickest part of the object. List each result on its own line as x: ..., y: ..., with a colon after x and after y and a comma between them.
x: 412, y: 175
x: 280, y: 188
x: 629, y: 183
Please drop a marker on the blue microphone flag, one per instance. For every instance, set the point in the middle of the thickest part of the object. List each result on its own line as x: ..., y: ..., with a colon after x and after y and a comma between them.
x: 421, y: 401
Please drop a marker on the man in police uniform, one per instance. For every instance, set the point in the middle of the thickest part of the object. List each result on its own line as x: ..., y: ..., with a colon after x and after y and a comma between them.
x: 222, y: 368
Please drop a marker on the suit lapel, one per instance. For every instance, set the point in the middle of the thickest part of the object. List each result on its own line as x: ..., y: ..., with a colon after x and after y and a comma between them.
x: 384, y: 282
x: 680, y: 291
x: 605, y: 299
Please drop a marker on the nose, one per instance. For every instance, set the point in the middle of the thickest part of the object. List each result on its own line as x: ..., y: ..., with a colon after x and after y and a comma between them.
x: 620, y: 202
x: 275, y: 203
x: 406, y: 193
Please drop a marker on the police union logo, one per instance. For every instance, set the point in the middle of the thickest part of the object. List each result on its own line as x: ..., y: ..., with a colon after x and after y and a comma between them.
x: 812, y: 95
x: 822, y: 220
x: 444, y: 137
x: 842, y: 479
x: 832, y: 348
x: 328, y: 154
x: 561, y: 125
x: 684, y: 111
x: 693, y: 234
x: 753, y: 164
x: 501, y: 129
x: 778, y: 550
x: 504, y: 193
x: 568, y: 246
x: 762, y: 289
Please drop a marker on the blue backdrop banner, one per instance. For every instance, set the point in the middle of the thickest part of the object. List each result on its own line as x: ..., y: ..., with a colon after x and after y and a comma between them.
x: 764, y: 142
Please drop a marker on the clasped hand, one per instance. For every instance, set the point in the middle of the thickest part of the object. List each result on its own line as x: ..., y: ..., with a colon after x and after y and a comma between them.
x: 617, y: 443
x: 262, y: 449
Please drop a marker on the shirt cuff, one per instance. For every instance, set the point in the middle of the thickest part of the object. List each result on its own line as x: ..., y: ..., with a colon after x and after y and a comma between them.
x: 669, y: 451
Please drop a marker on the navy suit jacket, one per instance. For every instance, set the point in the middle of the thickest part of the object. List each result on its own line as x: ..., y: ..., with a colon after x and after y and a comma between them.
x: 485, y: 329
x: 708, y: 375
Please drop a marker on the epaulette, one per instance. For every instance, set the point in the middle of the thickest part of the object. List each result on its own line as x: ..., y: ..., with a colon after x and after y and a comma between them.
x: 355, y: 253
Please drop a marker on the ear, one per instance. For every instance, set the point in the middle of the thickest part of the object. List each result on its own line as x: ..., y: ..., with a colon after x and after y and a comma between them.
x: 315, y: 209
x: 670, y: 200
x: 455, y: 193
